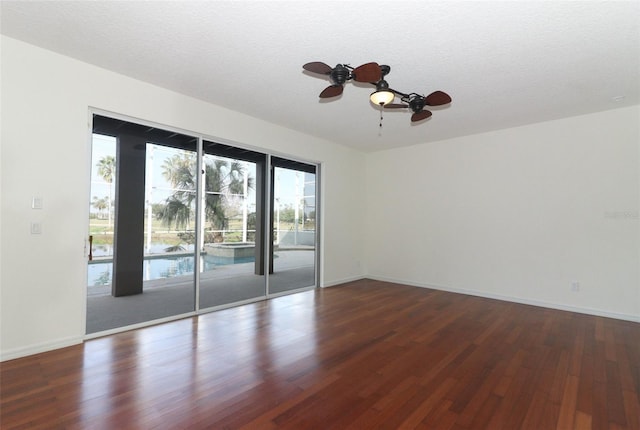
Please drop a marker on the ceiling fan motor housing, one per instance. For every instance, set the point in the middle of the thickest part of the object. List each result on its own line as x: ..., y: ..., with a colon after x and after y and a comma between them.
x: 340, y: 74
x: 417, y: 103
x: 382, y: 85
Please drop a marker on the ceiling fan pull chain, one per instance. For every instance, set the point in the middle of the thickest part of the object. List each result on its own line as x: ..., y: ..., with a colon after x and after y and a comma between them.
x: 380, y: 125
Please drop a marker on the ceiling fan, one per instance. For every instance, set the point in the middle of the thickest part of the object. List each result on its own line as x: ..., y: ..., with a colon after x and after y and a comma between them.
x: 383, y: 96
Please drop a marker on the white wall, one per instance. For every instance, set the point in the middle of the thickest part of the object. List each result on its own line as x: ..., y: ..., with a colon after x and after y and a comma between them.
x: 45, y: 152
x: 516, y: 214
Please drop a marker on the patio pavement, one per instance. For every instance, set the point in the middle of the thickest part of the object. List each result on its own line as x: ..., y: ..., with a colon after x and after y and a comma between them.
x: 226, y: 284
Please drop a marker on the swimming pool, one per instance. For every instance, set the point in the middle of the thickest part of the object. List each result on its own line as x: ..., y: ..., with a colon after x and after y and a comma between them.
x: 155, y: 267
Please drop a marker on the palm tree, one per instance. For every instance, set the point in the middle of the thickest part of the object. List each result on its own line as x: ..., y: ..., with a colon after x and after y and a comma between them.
x: 179, y: 171
x: 176, y: 210
x: 100, y: 204
x: 222, y: 177
x: 107, y: 170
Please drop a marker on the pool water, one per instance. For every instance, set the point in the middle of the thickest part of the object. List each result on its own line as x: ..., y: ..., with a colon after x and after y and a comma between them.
x: 100, y: 273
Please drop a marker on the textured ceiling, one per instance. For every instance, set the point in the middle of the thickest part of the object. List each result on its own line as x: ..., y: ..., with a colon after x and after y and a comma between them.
x: 503, y: 63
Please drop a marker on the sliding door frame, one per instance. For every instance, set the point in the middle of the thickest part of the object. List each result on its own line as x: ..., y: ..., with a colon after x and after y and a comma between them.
x: 267, y: 209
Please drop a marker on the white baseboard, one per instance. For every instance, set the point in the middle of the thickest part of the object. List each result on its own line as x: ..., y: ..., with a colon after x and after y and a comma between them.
x: 342, y: 281
x: 559, y: 306
x: 38, y: 348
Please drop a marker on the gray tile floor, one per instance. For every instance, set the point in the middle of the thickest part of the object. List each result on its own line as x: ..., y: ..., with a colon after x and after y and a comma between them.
x: 293, y: 270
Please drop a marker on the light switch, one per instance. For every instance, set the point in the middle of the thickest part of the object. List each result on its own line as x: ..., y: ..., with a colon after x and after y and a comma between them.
x: 36, y: 228
x: 36, y: 203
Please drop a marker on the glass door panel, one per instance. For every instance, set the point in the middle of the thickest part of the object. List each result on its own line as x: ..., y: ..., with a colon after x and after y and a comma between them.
x: 294, y: 230
x: 231, y: 269
x: 101, y: 225
x: 170, y: 224
x: 142, y: 225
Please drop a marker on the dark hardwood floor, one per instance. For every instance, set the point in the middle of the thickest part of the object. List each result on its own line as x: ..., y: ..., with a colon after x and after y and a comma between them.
x: 365, y: 355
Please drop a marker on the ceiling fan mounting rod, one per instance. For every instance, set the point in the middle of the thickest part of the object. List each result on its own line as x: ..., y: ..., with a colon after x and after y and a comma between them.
x: 402, y: 95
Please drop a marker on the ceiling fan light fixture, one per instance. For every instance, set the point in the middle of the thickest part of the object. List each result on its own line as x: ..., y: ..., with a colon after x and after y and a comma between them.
x: 382, y: 95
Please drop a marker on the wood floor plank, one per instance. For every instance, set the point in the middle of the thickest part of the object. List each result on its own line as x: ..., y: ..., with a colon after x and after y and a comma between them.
x: 632, y: 409
x: 428, y: 403
x: 582, y: 422
x: 568, y: 405
x: 615, y: 401
x: 364, y: 355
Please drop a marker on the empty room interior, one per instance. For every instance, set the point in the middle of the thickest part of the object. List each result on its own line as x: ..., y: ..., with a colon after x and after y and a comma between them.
x: 320, y: 214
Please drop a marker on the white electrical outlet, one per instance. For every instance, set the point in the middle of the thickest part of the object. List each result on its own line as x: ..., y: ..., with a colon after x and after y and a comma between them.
x: 575, y: 286
x: 36, y: 203
x: 36, y: 228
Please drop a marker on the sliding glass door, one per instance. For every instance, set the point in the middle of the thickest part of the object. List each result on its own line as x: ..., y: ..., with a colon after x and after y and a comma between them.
x: 294, y: 226
x: 232, y: 257
x: 142, y: 225
x: 170, y: 227
x: 180, y: 224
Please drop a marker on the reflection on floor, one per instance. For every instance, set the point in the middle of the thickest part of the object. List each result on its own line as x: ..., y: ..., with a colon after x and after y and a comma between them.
x: 224, y: 285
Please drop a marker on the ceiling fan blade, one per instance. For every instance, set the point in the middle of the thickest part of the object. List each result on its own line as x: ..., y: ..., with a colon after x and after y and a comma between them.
x: 437, y: 98
x: 419, y: 116
x: 317, y: 67
x: 331, y: 91
x: 395, y: 106
x: 369, y: 72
